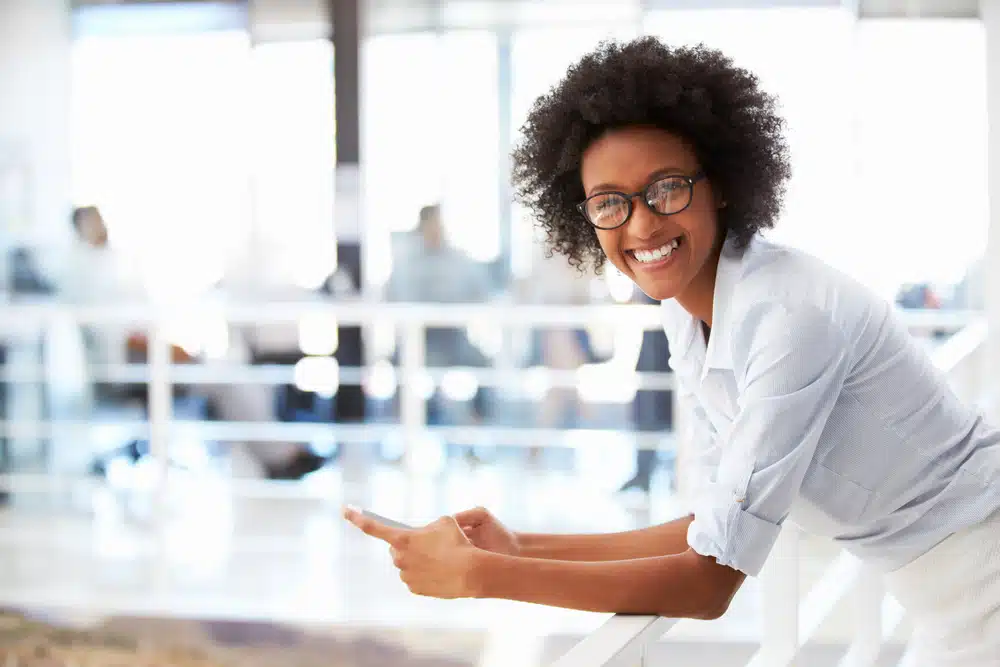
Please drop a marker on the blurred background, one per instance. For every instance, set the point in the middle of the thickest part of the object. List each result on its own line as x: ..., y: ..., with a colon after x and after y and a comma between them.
x: 260, y: 258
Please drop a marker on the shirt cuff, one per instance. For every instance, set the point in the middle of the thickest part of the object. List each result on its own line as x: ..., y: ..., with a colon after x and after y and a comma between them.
x: 732, y: 536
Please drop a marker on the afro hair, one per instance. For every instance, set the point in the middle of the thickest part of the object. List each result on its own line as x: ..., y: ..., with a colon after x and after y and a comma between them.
x: 694, y: 92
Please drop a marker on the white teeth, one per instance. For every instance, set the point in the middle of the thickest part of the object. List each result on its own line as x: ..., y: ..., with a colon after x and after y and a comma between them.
x: 657, y: 253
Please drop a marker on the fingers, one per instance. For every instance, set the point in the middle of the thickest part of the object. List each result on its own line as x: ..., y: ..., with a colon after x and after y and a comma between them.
x: 473, y: 517
x: 374, y: 528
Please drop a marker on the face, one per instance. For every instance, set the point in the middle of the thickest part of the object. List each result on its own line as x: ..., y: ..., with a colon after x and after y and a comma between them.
x: 432, y: 233
x: 92, y: 229
x: 627, y: 160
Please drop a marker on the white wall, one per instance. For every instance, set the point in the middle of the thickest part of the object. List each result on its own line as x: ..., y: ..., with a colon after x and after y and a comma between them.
x: 34, y: 109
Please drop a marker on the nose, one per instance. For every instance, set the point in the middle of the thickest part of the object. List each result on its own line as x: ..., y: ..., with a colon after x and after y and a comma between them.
x: 643, y: 223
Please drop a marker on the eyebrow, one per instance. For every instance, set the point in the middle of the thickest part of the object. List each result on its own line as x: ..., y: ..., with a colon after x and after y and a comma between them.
x: 659, y: 173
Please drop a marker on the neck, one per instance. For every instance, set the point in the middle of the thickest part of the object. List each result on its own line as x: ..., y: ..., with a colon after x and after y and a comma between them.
x: 699, y: 297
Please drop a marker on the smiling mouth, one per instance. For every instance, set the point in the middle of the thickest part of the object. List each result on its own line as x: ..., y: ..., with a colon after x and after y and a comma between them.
x: 651, y: 255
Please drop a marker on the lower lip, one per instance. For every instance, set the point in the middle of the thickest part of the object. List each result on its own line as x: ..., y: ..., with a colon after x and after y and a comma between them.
x: 657, y: 264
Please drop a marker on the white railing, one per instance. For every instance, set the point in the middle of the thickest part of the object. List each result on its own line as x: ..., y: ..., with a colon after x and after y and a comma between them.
x: 411, y: 320
x: 26, y: 320
x: 791, y: 620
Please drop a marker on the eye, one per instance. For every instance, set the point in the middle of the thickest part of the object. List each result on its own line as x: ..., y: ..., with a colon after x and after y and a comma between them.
x: 609, y: 206
x: 667, y: 187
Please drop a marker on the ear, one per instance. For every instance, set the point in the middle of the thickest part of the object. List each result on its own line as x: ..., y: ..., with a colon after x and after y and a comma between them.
x: 718, y: 198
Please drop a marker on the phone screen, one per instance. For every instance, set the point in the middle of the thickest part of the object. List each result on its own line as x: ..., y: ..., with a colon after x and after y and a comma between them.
x: 387, y: 521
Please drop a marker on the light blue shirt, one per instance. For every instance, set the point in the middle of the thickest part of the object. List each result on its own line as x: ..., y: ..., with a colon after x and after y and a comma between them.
x: 812, y: 401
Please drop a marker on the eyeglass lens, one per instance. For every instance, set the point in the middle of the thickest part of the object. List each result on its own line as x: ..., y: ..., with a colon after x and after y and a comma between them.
x: 665, y: 196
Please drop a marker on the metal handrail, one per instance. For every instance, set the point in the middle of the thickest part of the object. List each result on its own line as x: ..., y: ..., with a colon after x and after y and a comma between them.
x: 620, y: 642
x: 26, y: 314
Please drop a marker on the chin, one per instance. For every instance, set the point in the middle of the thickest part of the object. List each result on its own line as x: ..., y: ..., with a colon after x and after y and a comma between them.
x: 659, y: 291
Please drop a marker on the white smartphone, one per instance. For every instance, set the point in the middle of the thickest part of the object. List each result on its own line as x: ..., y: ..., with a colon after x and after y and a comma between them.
x: 387, y: 521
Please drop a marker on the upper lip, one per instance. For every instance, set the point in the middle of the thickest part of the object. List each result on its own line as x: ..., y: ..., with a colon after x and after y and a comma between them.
x: 653, y: 246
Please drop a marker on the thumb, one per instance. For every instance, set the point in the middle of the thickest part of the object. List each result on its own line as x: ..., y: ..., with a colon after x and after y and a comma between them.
x: 472, y: 518
x: 372, y: 527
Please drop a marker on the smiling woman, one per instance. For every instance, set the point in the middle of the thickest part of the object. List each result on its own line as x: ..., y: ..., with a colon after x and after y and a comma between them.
x: 805, y: 392
x: 717, y: 117
x: 665, y: 243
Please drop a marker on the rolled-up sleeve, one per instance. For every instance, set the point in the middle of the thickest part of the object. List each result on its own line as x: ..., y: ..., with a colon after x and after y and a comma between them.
x: 790, y: 364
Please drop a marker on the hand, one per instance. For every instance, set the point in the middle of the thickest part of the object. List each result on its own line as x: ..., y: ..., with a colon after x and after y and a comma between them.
x: 486, y: 532
x: 435, y: 561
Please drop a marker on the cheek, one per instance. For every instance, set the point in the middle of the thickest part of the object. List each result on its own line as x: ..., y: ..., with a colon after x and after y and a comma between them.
x: 705, y: 235
x: 610, y: 242
x: 703, y: 229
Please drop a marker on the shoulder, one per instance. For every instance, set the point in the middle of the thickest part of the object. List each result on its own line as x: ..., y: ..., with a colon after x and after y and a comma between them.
x: 787, y: 298
x: 784, y: 273
x: 777, y: 278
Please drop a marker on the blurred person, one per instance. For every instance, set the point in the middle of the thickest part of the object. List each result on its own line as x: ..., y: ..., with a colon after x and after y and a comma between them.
x: 918, y: 296
x: 96, y: 273
x: 436, y: 272
x: 93, y: 272
x: 921, y: 296
x: 804, y: 387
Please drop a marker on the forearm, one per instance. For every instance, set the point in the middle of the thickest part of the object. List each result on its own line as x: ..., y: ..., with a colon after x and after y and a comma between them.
x: 680, y: 586
x: 661, y: 540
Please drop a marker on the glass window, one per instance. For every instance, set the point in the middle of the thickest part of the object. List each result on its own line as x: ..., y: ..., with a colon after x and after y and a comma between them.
x: 293, y: 149
x: 813, y: 89
x: 874, y: 109
x: 159, y: 129
x: 197, y: 145
x: 429, y: 135
x: 536, y: 66
x: 921, y: 119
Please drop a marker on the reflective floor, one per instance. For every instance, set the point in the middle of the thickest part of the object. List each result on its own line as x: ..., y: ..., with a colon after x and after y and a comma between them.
x: 292, y: 559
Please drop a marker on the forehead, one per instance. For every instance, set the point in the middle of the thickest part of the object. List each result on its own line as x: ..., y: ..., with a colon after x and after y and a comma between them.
x: 626, y: 157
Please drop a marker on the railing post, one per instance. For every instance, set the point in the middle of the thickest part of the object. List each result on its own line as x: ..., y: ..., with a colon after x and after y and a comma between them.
x: 780, y: 593
x: 868, y: 597
x: 160, y: 409
x: 413, y: 413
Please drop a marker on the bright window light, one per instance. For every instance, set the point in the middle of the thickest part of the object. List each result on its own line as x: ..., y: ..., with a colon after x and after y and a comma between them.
x: 318, y: 334
x: 318, y: 374
x: 159, y: 136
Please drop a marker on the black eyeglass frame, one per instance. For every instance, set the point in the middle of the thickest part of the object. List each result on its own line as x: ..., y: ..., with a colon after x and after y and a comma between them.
x: 644, y: 193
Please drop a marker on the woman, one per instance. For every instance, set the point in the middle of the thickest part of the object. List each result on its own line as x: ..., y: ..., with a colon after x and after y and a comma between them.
x: 809, y: 396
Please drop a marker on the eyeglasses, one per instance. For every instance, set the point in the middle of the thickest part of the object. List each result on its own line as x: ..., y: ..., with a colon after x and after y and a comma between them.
x: 664, y: 196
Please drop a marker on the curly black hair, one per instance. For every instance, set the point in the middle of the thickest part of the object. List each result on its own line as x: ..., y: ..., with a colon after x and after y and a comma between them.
x: 694, y: 92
